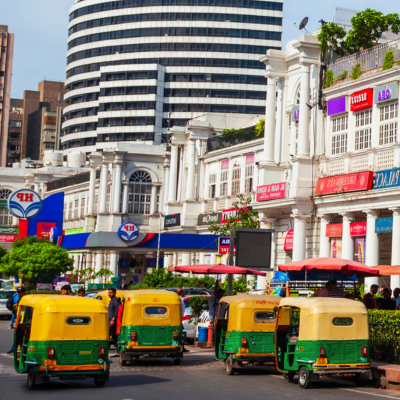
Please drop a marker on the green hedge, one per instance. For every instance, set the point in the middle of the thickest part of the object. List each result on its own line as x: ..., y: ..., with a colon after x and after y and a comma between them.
x: 385, y: 327
x: 42, y: 292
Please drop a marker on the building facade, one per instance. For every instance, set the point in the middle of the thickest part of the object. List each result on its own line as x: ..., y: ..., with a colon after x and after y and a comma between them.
x: 136, y: 68
x: 15, y: 131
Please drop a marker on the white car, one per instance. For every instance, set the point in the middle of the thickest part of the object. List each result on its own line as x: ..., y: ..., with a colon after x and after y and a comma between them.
x: 187, y: 320
x: 4, y: 296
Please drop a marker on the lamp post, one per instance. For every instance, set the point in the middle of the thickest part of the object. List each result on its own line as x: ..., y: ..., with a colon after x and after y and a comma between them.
x: 159, y: 239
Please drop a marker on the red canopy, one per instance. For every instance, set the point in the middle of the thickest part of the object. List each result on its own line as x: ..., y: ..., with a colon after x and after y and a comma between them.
x: 326, y: 264
x: 216, y: 269
x: 388, y: 269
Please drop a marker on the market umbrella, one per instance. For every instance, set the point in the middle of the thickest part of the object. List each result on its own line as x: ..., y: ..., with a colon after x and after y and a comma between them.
x: 331, y: 265
x: 216, y: 269
x: 388, y: 269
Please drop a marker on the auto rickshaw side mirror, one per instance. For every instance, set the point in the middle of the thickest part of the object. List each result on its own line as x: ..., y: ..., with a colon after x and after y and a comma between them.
x: 100, y: 298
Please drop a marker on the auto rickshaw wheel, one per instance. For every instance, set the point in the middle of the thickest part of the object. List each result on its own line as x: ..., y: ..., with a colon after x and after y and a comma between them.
x: 122, y: 362
x: 288, y: 376
x: 177, y: 361
x: 304, y: 375
x: 31, y: 379
x: 229, y: 366
x: 99, y: 382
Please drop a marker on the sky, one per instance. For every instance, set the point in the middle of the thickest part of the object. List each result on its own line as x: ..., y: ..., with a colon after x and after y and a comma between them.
x: 40, y: 28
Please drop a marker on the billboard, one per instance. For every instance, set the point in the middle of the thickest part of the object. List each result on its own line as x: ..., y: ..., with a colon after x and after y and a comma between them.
x: 253, y: 249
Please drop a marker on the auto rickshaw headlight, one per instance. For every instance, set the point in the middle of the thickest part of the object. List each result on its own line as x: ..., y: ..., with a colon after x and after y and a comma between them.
x: 176, y: 335
x: 101, y: 352
x: 244, y: 342
x: 133, y: 335
x: 51, y: 353
x: 364, y: 351
x: 321, y: 352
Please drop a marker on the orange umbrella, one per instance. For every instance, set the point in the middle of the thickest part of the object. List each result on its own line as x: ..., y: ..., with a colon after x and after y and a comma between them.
x: 388, y: 269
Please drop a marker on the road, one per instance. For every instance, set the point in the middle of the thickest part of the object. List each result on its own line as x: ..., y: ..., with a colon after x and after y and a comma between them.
x: 199, y: 377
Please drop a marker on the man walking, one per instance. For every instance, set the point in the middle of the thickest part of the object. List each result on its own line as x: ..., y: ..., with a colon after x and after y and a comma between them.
x: 112, y: 317
x: 369, y: 299
x: 21, y: 291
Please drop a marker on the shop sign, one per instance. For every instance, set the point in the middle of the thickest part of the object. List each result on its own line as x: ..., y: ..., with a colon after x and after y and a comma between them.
x: 233, y: 212
x: 295, y: 113
x: 387, y: 92
x: 43, y: 229
x: 24, y: 203
x: 44, y: 286
x: 224, y: 164
x: 383, y: 225
x: 128, y: 231
x: 3, y: 204
x: 172, y: 220
x: 73, y: 231
x: 271, y: 192
x: 334, y: 230
x: 345, y: 183
x: 337, y: 106
x: 250, y: 159
x: 223, y: 245
x: 358, y: 229
x: 207, y: 219
x: 8, y: 230
x: 359, y: 250
x: 386, y: 179
x: 8, y: 238
x: 362, y: 99
x: 289, y: 240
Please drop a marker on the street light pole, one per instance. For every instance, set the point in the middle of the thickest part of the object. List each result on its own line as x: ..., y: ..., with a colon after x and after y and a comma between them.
x: 159, y: 239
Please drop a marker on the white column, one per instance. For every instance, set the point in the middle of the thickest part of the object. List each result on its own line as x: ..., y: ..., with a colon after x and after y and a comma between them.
x: 111, y: 199
x: 269, y: 133
x: 186, y: 259
x: 173, y: 174
x: 304, y: 117
x: 168, y: 260
x: 395, y: 279
x: 153, y: 204
x: 202, y: 260
x: 125, y: 198
x: 347, y: 240
x: 114, y: 263
x: 103, y: 188
x: 76, y: 261
x: 99, y: 262
x: 324, y: 245
x: 165, y: 186
x: 191, y: 147
x: 299, y: 238
x: 372, y: 247
x: 213, y: 258
x: 92, y: 186
x: 37, y: 187
x: 117, y: 187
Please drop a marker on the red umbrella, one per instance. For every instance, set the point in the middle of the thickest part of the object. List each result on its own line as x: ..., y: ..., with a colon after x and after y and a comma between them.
x: 326, y: 264
x: 216, y: 269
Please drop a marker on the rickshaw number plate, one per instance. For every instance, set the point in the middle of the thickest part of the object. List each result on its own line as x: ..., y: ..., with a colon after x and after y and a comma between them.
x: 85, y: 352
x: 133, y: 343
x: 50, y: 362
x: 322, y: 361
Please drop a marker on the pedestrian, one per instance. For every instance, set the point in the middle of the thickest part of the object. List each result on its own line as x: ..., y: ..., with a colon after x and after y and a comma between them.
x: 213, y: 301
x: 396, y: 296
x: 181, y: 294
x: 81, y: 292
x: 369, y: 299
x: 66, y: 290
x: 335, y: 291
x: 113, y: 308
x: 21, y: 291
x: 324, y: 292
x: 387, y: 303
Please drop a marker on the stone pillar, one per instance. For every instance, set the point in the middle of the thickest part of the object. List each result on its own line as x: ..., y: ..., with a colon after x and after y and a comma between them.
x: 153, y: 204
x: 186, y: 259
x: 37, y: 187
x: 76, y: 261
x: 191, y: 160
x: 213, y: 258
x: 395, y: 279
x: 269, y: 133
x: 165, y: 185
x: 299, y: 238
x: 114, y: 263
x: 168, y: 260
x: 202, y: 258
x: 99, y: 263
x: 371, y: 246
x: 347, y: 240
x: 111, y: 184
x: 304, y: 117
x: 125, y: 198
x: 117, y: 185
x: 92, y: 188
x: 103, y: 188
x: 324, y: 245
x: 173, y: 174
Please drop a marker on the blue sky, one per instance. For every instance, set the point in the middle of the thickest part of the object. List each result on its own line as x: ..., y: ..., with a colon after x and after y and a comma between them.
x: 40, y: 28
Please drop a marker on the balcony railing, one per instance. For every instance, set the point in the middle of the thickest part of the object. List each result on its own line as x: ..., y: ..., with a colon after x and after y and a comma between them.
x: 368, y: 59
x: 70, y: 181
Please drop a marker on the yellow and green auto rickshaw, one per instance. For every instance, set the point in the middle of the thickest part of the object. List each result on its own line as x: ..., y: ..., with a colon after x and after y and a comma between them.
x: 61, y: 337
x: 322, y: 336
x: 103, y: 295
x: 245, y: 329
x: 151, y: 326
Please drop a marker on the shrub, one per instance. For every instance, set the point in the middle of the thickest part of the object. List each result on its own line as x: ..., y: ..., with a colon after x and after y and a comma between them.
x: 388, y: 61
x: 357, y: 72
x: 343, y: 75
x: 329, y: 78
x: 385, y: 327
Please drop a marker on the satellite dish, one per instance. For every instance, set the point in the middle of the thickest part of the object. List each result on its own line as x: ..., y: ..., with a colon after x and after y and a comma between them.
x: 303, y: 23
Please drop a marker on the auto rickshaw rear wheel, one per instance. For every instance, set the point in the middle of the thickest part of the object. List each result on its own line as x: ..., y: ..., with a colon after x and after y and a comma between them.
x: 99, y: 382
x: 31, y: 379
x: 304, y: 375
x: 288, y: 376
x: 177, y: 361
x: 122, y: 362
x: 229, y: 366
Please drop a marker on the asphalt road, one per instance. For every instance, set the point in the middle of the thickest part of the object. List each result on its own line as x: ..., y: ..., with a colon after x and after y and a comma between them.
x: 199, y: 377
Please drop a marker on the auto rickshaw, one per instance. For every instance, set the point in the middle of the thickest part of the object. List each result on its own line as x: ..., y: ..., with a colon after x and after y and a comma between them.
x: 151, y: 326
x: 61, y: 337
x: 103, y: 295
x: 322, y: 336
x: 245, y: 330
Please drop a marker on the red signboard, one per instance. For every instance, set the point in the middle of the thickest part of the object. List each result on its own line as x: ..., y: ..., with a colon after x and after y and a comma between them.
x: 345, y: 183
x: 362, y: 99
x: 271, y: 192
x: 8, y: 238
x: 334, y: 230
x: 358, y: 229
x: 223, y: 245
x: 43, y: 229
x: 232, y: 212
x: 289, y: 240
x: 225, y: 164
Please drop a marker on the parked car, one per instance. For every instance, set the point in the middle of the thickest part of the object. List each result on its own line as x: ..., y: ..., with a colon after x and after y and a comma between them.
x: 187, y: 320
x: 4, y: 296
x: 91, y: 295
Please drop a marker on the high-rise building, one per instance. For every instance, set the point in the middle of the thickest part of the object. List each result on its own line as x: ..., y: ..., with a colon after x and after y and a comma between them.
x: 6, y: 61
x: 137, y: 67
x: 15, y: 131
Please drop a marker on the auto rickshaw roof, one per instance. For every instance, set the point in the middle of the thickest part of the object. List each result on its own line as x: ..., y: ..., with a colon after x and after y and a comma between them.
x: 143, y: 296
x: 243, y: 299
x: 53, y: 303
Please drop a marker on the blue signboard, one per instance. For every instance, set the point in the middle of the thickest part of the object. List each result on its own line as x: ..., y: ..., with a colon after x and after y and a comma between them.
x: 383, y: 225
x: 387, y: 179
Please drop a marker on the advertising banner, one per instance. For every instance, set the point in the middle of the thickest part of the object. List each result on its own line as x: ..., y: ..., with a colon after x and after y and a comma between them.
x: 207, y: 219
x: 387, y: 178
x: 43, y: 229
x: 359, y: 254
x: 345, y: 183
x: 250, y: 159
x: 271, y: 192
x: 387, y: 92
x: 232, y: 212
x: 337, y: 106
x: 223, y: 245
x: 289, y: 240
x: 358, y: 229
x: 74, y: 231
x: 225, y: 164
x: 383, y: 225
x: 336, y: 247
x: 3, y: 204
x: 172, y: 220
x: 8, y: 238
x: 9, y: 230
x: 334, y: 230
x: 362, y: 99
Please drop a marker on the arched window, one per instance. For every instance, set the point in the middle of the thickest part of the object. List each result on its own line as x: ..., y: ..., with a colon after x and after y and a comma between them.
x: 298, y: 95
x: 140, y: 193
x: 5, y: 216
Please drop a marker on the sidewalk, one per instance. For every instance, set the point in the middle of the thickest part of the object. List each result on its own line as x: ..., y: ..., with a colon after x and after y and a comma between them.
x: 386, y: 375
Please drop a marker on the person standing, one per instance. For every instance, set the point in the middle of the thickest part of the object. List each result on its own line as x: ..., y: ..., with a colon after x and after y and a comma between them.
x: 387, y: 303
x: 181, y: 294
x: 21, y: 291
x: 113, y: 308
x: 213, y: 301
x: 369, y: 299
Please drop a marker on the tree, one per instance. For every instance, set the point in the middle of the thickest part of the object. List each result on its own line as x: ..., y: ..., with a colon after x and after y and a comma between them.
x: 331, y: 38
x: 35, y: 259
x: 246, y: 218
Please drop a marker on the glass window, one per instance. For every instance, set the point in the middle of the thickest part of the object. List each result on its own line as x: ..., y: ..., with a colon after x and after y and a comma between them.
x: 388, y: 129
x: 342, y: 321
x: 212, y: 180
x: 248, y: 183
x: 140, y: 185
x: 78, y: 321
x: 264, y: 317
x: 236, y: 172
x: 339, y: 134
x: 363, y: 135
x: 155, y: 312
x: 223, y: 189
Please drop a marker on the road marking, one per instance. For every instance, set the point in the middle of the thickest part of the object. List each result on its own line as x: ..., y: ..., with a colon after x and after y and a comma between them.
x: 372, y: 394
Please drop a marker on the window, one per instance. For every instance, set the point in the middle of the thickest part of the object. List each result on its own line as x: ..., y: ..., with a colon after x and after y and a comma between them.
x: 388, y: 130
x: 236, y: 172
x: 78, y: 321
x: 223, y: 189
x: 363, y: 136
x: 248, y: 183
x: 15, y: 124
x: 140, y: 185
x: 264, y: 317
x: 342, y: 321
x: 212, y: 179
x: 155, y: 312
x: 5, y: 216
x: 339, y: 134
